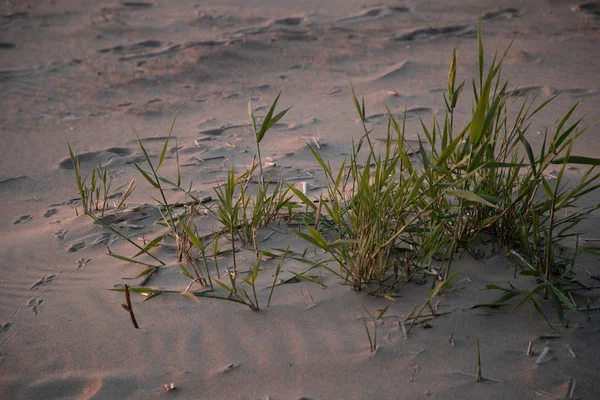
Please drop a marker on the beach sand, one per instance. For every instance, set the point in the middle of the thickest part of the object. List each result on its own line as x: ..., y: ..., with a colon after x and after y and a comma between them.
x: 95, y: 73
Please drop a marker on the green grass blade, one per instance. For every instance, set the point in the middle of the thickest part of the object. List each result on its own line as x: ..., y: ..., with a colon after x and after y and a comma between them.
x: 470, y: 196
x: 308, y: 202
x: 561, y: 297
x: 447, y: 152
x: 382, y: 313
x: 276, y: 118
x: 140, y: 290
x: 577, y: 160
x: 147, y: 272
x: 565, y: 119
x: 130, y: 260
x: 147, y: 176
x: 185, y: 272
x: 164, y: 150
x: 267, y: 121
x: 529, y: 151
x: 315, y: 239
x: 251, y: 116
x: 193, y: 238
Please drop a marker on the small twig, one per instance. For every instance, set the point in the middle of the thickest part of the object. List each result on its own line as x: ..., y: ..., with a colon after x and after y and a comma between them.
x: 520, y: 257
x: 530, y: 349
x: 277, y: 230
x: 478, y: 377
x: 572, y: 300
x: 571, y: 389
x: 431, y: 309
x: 541, y: 392
x: 550, y: 336
x: 229, y: 368
x: 451, y: 340
x: 129, y: 308
x: 314, y: 303
x: 596, y: 277
x: 571, y: 351
x: 542, y: 358
x: 267, y: 237
x: 404, y: 333
x: 586, y: 308
x: 187, y: 289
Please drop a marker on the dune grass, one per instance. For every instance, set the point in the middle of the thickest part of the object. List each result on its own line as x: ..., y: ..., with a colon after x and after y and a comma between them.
x: 478, y: 182
x: 390, y: 215
x: 96, y: 192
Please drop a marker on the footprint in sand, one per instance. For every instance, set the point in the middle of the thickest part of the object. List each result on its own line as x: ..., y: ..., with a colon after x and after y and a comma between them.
x: 5, y: 327
x: 92, y: 156
x: 373, y: 13
x: 61, y: 234
x: 104, y: 238
x: 135, y: 48
x: 410, y: 113
x: 505, y: 13
x: 137, y: 4
x: 9, y: 18
x: 35, y: 304
x: 432, y: 33
x: 15, y: 73
x: 22, y: 219
x: 43, y: 281
x: 12, y: 179
x: 289, y: 21
x: 530, y: 91
x: 523, y: 57
x: 373, y: 118
x: 588, y: 8
x: 21, y: 73
x: 82, y: 262
x: 50, y: 212
x: 304, y: 124
x: 168, y: 51
x: 75, y: 247
x: 404, y: 70
x: 576, y: 92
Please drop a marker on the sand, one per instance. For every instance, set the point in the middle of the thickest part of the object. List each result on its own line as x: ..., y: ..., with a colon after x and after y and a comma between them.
x: 93, y: 73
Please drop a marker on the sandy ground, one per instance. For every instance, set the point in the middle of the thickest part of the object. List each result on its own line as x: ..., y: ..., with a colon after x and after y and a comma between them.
x: 90, y: 73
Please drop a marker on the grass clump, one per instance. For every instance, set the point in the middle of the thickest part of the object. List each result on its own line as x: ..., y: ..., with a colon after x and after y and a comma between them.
x: 239, y: 212
x: 394, y: 211
x: 479, y: 182
x: 96, y: 192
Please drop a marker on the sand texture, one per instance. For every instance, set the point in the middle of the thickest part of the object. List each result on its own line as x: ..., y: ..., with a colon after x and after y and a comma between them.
x: 95, y: 73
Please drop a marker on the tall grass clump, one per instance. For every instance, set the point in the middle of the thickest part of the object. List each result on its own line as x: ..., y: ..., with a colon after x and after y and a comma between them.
x: 240, y: 210
x: 392, y: 211
x: 480, y: 181
x: 368, y: 207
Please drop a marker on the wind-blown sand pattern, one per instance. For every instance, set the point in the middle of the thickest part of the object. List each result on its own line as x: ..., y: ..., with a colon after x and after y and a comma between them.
x: 95, y: 73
